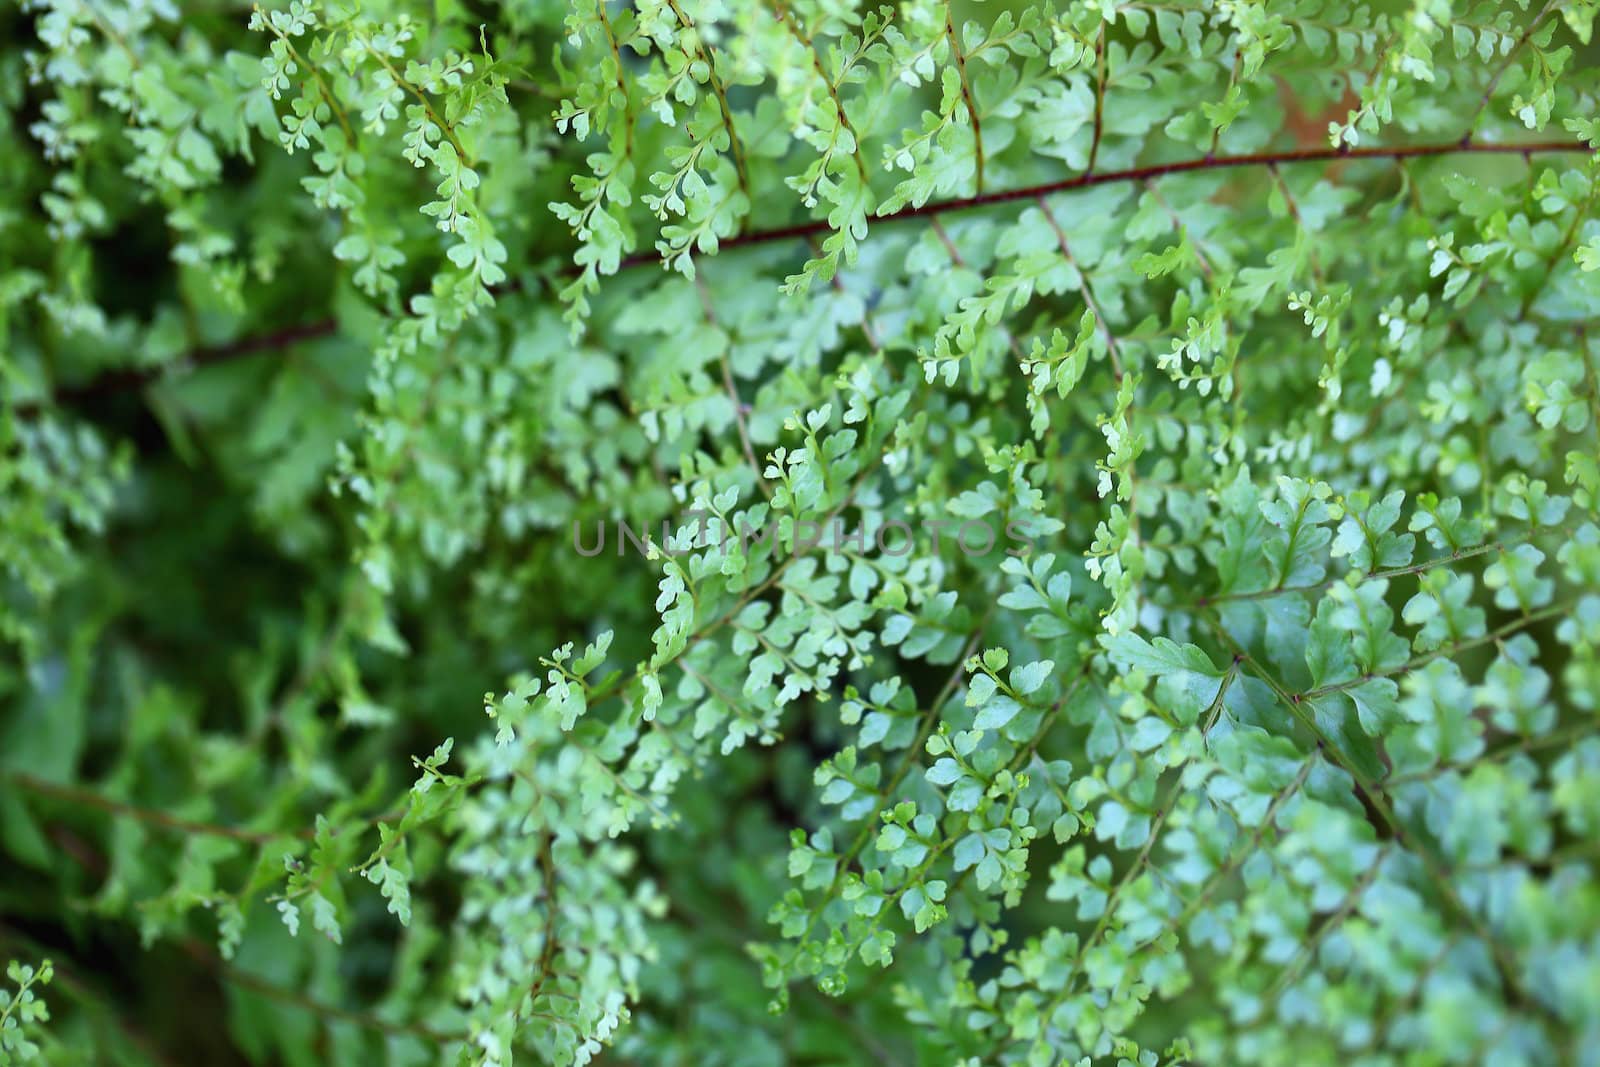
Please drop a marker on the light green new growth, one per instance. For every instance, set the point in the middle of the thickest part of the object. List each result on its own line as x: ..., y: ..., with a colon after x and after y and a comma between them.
x: 1259, y: 335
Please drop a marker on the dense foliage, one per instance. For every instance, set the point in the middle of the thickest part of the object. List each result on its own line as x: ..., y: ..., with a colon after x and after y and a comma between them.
x: 1118, y: 532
